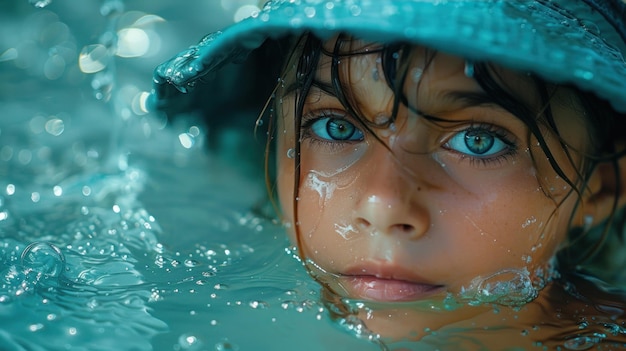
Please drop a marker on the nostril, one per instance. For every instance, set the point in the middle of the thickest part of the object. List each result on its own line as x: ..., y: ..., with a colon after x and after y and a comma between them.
x: 407, y: 227
x: 362, y: 223
x: 403, y: 229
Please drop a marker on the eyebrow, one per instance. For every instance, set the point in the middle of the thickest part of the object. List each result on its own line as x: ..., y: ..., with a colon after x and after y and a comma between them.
x: 460, y: 98
x: 465, y: 99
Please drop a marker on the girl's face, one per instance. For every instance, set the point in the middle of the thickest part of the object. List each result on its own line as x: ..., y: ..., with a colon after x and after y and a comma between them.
x: 424, y: 207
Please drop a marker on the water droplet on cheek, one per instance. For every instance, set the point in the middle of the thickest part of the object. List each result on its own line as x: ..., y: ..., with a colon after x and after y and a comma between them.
x: 584, y: 342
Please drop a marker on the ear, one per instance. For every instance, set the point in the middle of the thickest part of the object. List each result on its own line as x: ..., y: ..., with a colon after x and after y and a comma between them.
x: 605, y: 186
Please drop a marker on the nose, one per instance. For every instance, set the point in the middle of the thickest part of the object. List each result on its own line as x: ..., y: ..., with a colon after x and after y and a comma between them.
x: 392, y: 199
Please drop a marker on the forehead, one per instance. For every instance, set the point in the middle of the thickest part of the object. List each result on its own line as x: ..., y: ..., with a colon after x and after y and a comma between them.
x: 440, y: 73
x: 423, y: 71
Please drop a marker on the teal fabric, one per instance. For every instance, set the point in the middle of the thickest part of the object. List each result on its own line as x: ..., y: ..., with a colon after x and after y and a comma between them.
x: 582, y: 42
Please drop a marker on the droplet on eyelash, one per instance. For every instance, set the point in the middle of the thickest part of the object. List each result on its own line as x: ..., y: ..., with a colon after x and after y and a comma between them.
x: 291, y: 153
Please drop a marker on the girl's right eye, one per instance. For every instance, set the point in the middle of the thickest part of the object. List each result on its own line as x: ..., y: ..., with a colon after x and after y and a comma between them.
x: 335, y: 129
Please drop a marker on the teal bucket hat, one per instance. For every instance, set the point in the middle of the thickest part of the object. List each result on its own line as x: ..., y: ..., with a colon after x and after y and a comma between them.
x: 579, y: 42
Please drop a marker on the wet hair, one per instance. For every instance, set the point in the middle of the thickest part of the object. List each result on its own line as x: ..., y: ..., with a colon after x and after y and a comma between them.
x: 604, y: 125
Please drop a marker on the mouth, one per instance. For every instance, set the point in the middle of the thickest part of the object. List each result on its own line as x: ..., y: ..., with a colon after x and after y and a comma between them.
x: 386, y: 284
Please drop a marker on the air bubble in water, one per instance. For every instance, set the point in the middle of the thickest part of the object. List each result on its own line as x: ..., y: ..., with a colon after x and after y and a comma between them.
x: 291, y: 153
x: 226, y: 346
x: 189, y: 342
x: 44, y: 258
x: 40, y: 3
x: 191, y: 263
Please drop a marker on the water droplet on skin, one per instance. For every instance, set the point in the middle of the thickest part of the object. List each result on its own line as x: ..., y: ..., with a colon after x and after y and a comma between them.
x: 416, y: 74
x: 291, y: 153
x: 529, y: 221
x: 375, y: 74
x: 584, y: 342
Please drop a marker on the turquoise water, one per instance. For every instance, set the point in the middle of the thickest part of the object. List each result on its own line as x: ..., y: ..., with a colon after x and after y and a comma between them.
x: 152, y: 256
x: 116, y: 232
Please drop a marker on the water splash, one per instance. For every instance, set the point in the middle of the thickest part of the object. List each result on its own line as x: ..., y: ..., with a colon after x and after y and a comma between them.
x: 43, y: 258
x: 511, y: 287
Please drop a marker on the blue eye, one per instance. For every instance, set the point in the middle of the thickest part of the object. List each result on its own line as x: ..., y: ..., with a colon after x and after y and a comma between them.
x: 478, y: 142
x: 336, y: 129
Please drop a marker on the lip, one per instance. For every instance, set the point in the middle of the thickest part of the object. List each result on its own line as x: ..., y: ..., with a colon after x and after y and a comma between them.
x: 387, y: 283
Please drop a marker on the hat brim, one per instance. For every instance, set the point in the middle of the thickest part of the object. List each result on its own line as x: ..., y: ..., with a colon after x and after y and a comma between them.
x: 575, y: 46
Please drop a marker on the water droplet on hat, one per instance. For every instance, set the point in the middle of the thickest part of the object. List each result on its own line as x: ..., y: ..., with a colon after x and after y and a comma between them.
x: 40, y: 3
x: 583, y: 74
x: 355, y: 10
x: 309, y: 12
x: 469, y: 69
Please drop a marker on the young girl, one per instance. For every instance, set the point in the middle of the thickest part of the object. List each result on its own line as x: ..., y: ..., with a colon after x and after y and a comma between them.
x: 445, y: 169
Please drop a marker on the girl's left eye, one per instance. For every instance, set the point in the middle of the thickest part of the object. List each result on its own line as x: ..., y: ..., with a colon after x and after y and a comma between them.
x: 336, y: 129
x: 479, y: 142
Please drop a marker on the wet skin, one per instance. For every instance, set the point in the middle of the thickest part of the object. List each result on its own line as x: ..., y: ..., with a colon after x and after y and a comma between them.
x: 435, y: 208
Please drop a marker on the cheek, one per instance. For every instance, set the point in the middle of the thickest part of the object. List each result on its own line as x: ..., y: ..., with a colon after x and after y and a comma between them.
x: 506, y: 227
